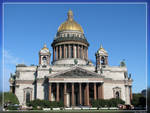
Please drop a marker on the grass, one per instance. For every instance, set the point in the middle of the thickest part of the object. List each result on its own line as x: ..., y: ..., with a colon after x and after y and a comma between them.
x: 76, y: 111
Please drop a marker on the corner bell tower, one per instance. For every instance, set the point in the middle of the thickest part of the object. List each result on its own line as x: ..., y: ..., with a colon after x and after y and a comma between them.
x: 101, y: 59
x: 44, y: 56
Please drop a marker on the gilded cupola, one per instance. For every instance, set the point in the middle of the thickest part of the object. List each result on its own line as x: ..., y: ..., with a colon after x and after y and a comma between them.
x: 70, y: 24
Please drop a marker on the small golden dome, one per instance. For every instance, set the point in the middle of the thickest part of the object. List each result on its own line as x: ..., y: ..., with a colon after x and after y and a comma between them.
x: 101, y: 49
x: 45, y: 47
x: 70, y: 24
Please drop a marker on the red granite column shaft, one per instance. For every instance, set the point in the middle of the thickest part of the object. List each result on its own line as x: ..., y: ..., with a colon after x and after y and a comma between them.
x: 64, y: 51
x: 100, y: 92
x: 65, y: 94
x: 50, y: 90
x: 81, y: 52
x: 53, y: 53
x: 69, y: 51
x: 73, y: 94
x: 56, y: 52
x: 80, y: 93
x: 85, y: 52
x: 57, y: 92
x: 78, y: 51
x: 95, y: 96
x: 87, y: 97
x: 60, y: 52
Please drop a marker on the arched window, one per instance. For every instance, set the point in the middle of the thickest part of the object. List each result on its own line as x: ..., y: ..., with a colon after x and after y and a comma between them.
x: 44, y: 58
x: 103, y: 61
x: 117, y: 92
x: 117, y: 95
x: 27, y: 97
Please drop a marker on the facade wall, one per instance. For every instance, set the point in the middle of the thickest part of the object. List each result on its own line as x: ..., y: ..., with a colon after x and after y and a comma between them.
x: 20, y: 92
x: 28, y: 73
x: 108, y: 90
x: 40, y: 91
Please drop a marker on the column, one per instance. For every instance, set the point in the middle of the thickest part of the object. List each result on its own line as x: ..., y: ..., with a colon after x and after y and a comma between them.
x: 78, y: 51
x: 100, y: 92
x: 56, y: 52
x: 50, y: 90
x: 57, y: 92
x: 64, y: 51
x: 81, y: 52
x: 39, y: 59
x: 87, y: 97
x: 87, y: 53
x: 95, y: 96
x: 107, y: 60
x: 31, y: 96
x: 53, y: 53
x: 60, y: 52
x: 73, y: 51
x: 72, y: 94
x: 65, y: 94
x: 69, y: 51
x: 80, y: 93
x: 130, y: 93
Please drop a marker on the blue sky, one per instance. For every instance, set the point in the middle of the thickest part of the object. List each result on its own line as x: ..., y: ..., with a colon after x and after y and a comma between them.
x: 120, y: 28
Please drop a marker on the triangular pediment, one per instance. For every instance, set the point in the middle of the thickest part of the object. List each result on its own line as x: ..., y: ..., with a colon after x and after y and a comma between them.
x: 76, y: 72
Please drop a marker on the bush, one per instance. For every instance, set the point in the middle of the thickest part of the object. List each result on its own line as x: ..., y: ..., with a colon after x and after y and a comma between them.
x: 39, y: 104
x: 10, y: 98
x: 11, y: 107
x: 138, y: 100
x: 113, y: 102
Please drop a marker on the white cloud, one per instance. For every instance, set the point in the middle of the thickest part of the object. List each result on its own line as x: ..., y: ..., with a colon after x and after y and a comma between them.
x: 10, y: 62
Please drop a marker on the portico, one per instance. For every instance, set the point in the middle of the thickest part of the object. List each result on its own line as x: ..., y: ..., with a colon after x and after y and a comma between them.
x: 75, y: 93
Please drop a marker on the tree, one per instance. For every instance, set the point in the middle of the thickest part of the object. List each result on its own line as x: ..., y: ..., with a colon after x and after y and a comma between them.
x: 0, y: 98
x: 138, y: 100
x: 148, y: 99
x: 75, y: 61
x: 10, y: 98
x: 39, y: 104
x: 113, y: 102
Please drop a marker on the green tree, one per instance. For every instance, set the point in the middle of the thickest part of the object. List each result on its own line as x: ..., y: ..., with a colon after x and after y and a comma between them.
x: 44, y: 104
x: 148, y: 99
x: 138, y: 100
x: 0, y: 98
x: 10, y: 98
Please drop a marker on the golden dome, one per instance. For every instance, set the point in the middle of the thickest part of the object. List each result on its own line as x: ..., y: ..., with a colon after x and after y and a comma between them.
x: 45, y: 47
x: 101, y: 49
x: 70, y: 24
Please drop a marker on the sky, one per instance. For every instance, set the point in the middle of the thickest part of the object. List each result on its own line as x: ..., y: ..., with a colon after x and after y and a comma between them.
x: 120, y: 28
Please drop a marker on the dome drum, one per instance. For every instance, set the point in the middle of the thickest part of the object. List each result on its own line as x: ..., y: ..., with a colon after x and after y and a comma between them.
x: 70, y: 43
x: 65, y: 39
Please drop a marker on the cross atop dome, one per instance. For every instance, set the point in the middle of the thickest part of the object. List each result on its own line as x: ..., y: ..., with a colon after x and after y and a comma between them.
x: 70, y: 15
x: 45, y: 47
x: 101, y: 49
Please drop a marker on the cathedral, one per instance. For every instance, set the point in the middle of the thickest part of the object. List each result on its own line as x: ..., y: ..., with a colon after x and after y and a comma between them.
x: 71, y: 77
